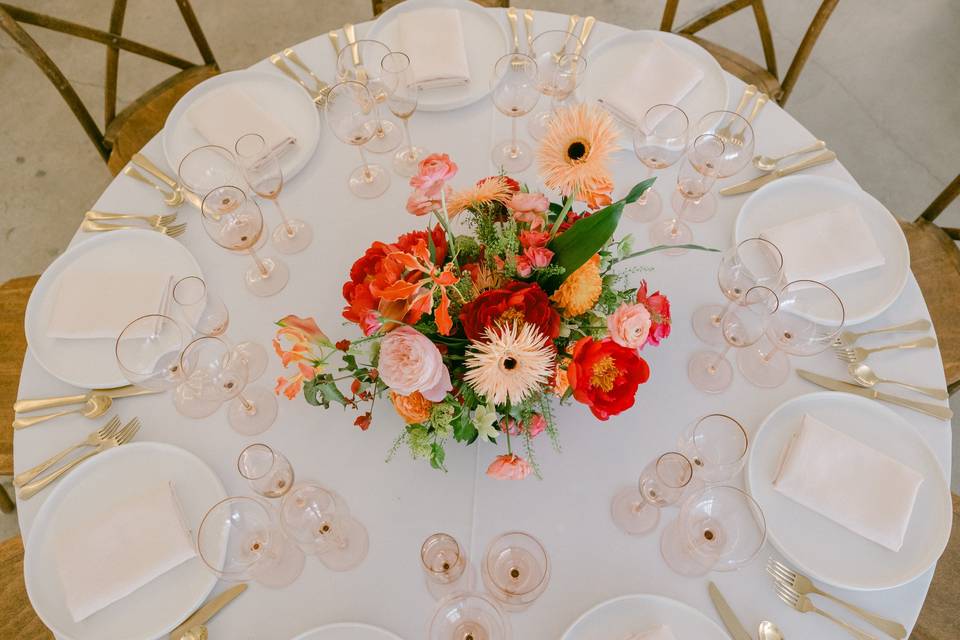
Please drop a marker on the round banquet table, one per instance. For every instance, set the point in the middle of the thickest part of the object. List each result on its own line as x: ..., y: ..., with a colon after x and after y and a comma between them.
x: 405, y: 500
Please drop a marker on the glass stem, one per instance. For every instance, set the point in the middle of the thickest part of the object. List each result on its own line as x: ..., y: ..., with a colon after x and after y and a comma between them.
x: 406, y: 136
x: 248, y: 406
x: 514, y: 150
x: 367, y: 174
x: 261, y: 267
x: 769, y: 355
x: 715, y: 318
x: 283, y: 217
x: 720, y: 356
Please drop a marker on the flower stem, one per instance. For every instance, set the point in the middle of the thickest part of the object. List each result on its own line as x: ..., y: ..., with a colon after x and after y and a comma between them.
x: 567, y: 204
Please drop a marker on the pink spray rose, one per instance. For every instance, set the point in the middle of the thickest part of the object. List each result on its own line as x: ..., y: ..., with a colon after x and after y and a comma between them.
x: 536, y: 426
x: 530, y: 239
x: 435, y: 170
x: 410, y: 362
x: 629, y: 325
x: 530, y: 208
x: 539, y: 257
x: 509, y: 467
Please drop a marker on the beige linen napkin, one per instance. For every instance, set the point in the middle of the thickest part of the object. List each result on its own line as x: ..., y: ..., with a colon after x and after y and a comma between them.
x: 119, y: 551
x: 825, y: 246
x: 223, y: 115
x: 433, y: 39
x: 662, y: 75
x: 99, y: 304
x: 854, y: 485
x: 657, y: 633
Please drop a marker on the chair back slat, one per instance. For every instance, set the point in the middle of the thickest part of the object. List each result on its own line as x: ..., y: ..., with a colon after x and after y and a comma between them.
x: 113, y: 61
x: 942, y: 201
x: 196, y: 32
x: 806, y: 47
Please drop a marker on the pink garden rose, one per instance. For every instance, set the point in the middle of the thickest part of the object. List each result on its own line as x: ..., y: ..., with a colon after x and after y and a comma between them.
x: 410, y: 362
x: 524, y: 266
x: 509, y: 467
x: 435, y: 170
x: 629, y: 325
x: 539, y: 257
x: 529, y: 208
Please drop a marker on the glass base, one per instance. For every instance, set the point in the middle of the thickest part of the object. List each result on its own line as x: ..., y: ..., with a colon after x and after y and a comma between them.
x: 355, y: 551
x: 677, y: 554
x: 385, y: 139
x: 256, y: 358
x: 440, y: 590
x: 512, y: 157
x: 764, y: 373
x: 632, y: 514
x: 694, y: 210
x: 406, y: 162
x: 283, y: 567
x: 646, y: 209
x: 710, y: 372
x: 539, y: 123
x: 260, y: 419
x: 292, y: 238
x: 706, y: 324
x: 671, y: 232
x: 263, y: 285
x: 369, y: 181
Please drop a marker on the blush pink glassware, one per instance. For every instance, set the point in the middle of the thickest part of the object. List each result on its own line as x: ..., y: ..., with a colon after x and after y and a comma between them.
x: 716, y: 445
x: 659, y: 141
x: 403, y: 95
x: 554, y: 53
x: 469, y: 616
x: 385, y: 136
x: 515, y: 570
x: 266, y: 470
x: 738, y: 139
x: 321, y: 523
x: 446, y: 568
x: 663, y: 482
x: 352, y: 117
x: 513, y: 89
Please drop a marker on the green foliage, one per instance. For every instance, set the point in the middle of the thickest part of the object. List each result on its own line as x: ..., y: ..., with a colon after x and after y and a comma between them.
x: 322, y: 390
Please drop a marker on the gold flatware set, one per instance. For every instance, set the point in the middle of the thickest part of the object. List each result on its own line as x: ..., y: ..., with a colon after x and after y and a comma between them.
x: 311, y: 83
x: 513, y: 17
x: 174, y: 194
x: 92, y: 404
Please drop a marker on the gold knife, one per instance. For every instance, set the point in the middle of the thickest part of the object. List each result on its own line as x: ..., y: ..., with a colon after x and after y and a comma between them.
x: 208, y: 610
x: 585, y: 30
x: 935, y: 410
x: 147, y: 165
x: 730, y: 620
x: 756, y: 183
x: 528, y: 28
x: 127, y: 391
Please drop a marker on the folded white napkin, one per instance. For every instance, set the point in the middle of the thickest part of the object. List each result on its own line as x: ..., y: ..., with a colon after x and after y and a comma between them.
x: 99, y: 304
x: 119, y: 551
x: 850, y: 483
x: 222, y: 116
x: 662, y: 75
x: 433, y: 39
x: 657, y: 633
x: 826, y: 245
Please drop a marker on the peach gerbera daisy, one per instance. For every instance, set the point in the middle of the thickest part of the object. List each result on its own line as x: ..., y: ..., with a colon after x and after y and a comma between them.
x: 574, y: 154
x: 514, y: 362
x: 581, y: 290
x: 493, y: 189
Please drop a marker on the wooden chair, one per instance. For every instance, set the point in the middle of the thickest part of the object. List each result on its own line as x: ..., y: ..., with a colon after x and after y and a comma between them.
x: 379, y: 6
x: 935, y: 261
x: 126, y: 132
x: 744, y: 68
x: 938, y: 618
x: 17, y: 617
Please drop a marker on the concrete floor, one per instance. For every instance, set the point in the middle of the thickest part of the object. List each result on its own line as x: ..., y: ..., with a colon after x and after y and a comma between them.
x: 880, y: 88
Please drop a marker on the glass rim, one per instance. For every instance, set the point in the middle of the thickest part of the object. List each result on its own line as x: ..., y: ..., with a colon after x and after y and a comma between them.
x: 674, y: 109
x: 440, y: 535
x: 569, y: 34
x: 395, y: 55
x: 743, y: 302
x: 212, y: 147
x: 754, y: 507
x: 273, y: 459
x: 684, y: 458
x: 515, y: 55
x: 251, y: 135
x: 116, y: 344
x: 246, y: 500
x: 746, y: 436
x: 764, y: 240
x: 203, y: 290
x: 226, y: 348
x: 843, y: 308
x: 543, y: 551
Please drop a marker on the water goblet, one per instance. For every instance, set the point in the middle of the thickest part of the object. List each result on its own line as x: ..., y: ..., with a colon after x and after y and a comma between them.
x: 513, y: 88
x: 205, y: 168
x: 659, y: 141
x: 718, y: 529
x: 263, y: 173
x: 266, y: 470
x: 808, y: 319
x: 738, y: 140
x: 240, y: 539
x: 550, y: 49
x: 148, y: 351
x: 717, y: 445
x: 351, y: 65
x: 469, y: 616
x: 663, y: 482
x: 752, y: 262
x: 515, y: 570
x: 445, y: 565
x: 402, y: 97
x: 235, y: 223
x: 318, y: 521
x: 351, y: 114
x: 742, y: 326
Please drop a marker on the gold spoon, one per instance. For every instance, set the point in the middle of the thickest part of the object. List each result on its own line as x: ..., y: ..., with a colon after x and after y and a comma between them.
x: 769, y: 631
x: 96, y: 406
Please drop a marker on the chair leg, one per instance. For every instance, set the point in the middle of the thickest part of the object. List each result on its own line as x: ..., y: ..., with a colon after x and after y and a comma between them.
x: 6, y: 504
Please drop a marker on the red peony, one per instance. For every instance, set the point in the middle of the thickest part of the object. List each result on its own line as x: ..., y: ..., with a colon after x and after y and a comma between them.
x: 605, y: 376
x: 659, y: 308
x: 515, y: 301
x: 375, y: 271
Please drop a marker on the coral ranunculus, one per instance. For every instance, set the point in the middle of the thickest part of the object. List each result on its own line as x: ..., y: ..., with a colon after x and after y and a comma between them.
x: 509, y: 467
x: 515, y: 302
x: 413, y: 408
x: 629, y: 325
x: 659, y: 308
x: 605, y: 376
x: 434, y: 171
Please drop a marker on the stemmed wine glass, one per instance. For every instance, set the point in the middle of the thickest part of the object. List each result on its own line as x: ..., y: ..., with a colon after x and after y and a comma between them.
x: 659, y: 141
x: 351, y: 114
x: 402, y: 97
x: 752, y: 262
x: 469, y: 615
x: 445, y: 565
x: 742, y: 326
x: 548, y: 50
x: 718, y: 529
x: 235, y: 223
x: 516, y: 570
x: 697, y: 175
x: 240, y: 539
x: 663, y: 482
x: 351, y: 65
x: 738, y: 139
x: 320, y: 522
x: 208, y: 167
x: 808, y: 319
x: 717, y: 445
x: 266, y: 470
x: 262, y: 171
x: 514, y: 91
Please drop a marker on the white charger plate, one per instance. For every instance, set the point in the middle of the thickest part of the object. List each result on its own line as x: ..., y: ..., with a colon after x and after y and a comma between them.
x: 92, y: 363
x: 610, y: 63
x: 619, y: 617
x: 821, y: 548
x: 865, y: 295
x: 106, y: 480
x: 485, y: 42
x: 281, y: 97
x: 347, y: 631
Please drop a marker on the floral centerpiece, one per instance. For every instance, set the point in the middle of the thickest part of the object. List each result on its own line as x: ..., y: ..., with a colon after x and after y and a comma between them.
x: 472, y: 336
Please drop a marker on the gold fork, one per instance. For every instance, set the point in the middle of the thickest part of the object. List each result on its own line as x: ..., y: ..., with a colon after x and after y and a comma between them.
x: 321, y: 87
x: 122, y: 437
x: 748, y: 92
x: 803, y: 586
x: 159, y: 220
x: 802, y: 604
x: 94, y: 439
x: 859, y: 354
x: 172, y: 231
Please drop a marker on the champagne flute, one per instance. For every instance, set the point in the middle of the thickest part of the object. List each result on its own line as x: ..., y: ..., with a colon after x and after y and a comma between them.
x: 235, y: 223
x: 351, y: 66
x: 351, y: 114
x: 659, y: 141
x: 266, y: 470
x: 551, y: 51
x: 402, y: 96
x: 262, y: 171
x: 513, y: 89
x: 445, y: 565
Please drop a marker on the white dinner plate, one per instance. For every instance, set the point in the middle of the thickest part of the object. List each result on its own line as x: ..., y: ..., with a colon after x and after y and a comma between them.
x: 108, y: 479
x: 823, y: 549
x: 610, y: 63
x: 486, y: 42
x: 92, y: 363
x: 283, y: 98
x: 347, y: 631
x: 619, y: 617
x: 865, y: 295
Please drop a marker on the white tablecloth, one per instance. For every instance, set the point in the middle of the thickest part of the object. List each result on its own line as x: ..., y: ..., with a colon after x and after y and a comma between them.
x: 403, y: 502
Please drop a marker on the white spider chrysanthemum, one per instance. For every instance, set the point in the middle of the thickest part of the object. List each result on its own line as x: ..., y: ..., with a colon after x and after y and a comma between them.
x: 514, y: 362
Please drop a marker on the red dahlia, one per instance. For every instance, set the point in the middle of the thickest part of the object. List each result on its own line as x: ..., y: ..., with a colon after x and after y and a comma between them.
x: 514, y: 302
x: 605, y: 376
